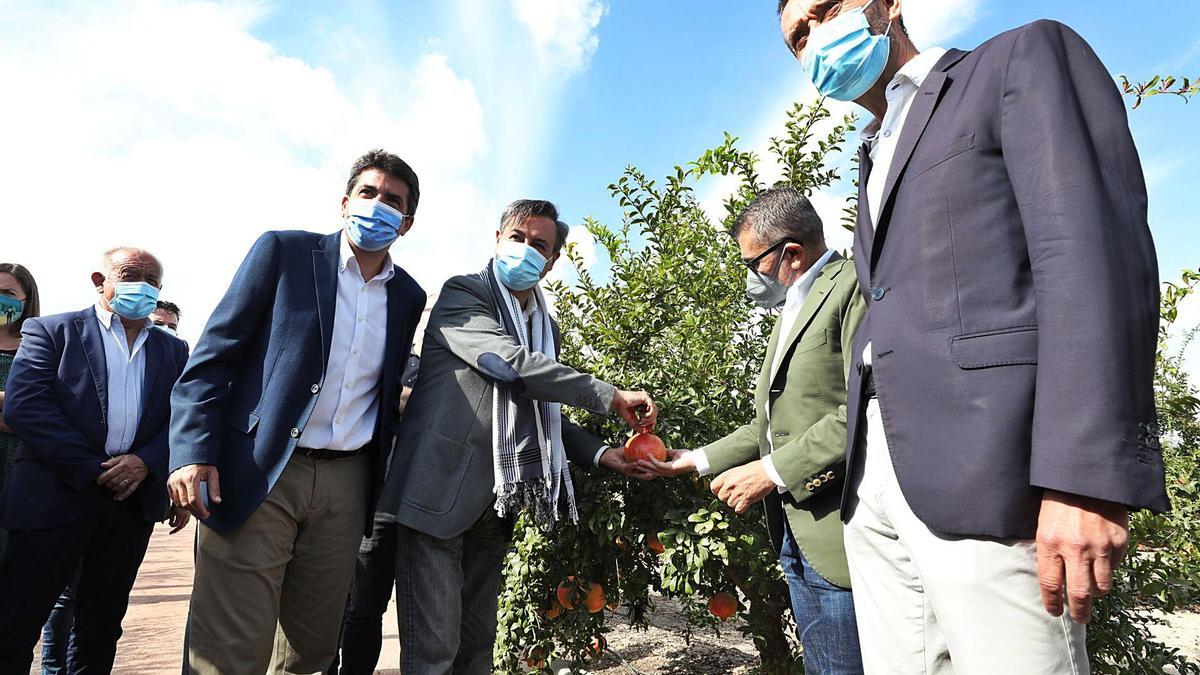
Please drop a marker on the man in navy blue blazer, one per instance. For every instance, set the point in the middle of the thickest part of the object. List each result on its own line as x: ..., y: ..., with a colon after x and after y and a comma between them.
x: 88, y: 399
x: 281, y: 425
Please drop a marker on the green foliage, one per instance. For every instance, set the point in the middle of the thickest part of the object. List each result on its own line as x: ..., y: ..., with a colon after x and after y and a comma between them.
x: 672, y: 317
x: 1162, y: 572
x: 1160, y: 84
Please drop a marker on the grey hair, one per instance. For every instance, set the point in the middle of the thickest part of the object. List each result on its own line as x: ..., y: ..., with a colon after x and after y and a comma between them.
x: 107, y: 263
x: 779, y: 213
x: 523, y: 209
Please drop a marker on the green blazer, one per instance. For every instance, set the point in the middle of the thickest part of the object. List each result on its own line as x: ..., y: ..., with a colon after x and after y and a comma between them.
x: 805, y: 401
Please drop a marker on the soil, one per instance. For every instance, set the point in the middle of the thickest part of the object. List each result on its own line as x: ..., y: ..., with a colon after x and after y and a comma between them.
x: 153, y: 628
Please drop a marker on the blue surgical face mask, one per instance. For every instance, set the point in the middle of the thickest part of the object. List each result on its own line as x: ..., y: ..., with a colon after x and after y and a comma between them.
x: 134, y: 299
x: 843, y: 58
x: 10, y: 310
x: 518, y: 265
x: 372, y: 225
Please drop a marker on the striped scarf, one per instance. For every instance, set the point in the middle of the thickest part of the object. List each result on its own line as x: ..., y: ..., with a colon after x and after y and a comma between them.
x: 536, y: 477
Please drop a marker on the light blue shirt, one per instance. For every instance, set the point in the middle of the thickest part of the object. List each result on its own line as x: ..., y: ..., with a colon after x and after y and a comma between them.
x: 126, y: 376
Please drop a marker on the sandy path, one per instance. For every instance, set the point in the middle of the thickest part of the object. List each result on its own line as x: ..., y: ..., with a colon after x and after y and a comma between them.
x: 153, y: 638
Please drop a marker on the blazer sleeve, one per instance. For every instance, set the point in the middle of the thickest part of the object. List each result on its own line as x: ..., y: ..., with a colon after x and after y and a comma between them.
x: 198, y: 399
x: 739, y: 447
x: 1079, y: 186
x: 822, y: 448
x: 463, y: 322
x: 581, y: 446
x: 35, y: 416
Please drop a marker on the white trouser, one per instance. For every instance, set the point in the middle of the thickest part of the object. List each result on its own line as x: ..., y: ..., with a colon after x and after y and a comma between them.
x: 930, y: 603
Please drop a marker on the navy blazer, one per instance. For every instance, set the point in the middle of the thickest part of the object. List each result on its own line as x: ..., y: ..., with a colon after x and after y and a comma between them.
x: 1012, y: 290
x: 57, y: 405
x: 253, y: 378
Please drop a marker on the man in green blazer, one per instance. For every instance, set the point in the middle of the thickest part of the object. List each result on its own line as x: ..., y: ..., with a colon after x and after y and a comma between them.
x: 791, y: 455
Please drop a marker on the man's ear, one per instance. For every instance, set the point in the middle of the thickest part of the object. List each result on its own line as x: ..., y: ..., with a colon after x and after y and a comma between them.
x: 893, y: 11
x: 408, y: 223
x: 345, y: 201
x: 98, y: 281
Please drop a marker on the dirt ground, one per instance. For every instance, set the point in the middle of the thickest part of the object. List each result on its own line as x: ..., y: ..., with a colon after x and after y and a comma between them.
x: 153, y: 638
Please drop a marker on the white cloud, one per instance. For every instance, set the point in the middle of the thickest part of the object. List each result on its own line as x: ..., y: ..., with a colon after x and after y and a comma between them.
x: 170, y: 126
x: 936, y: 23
x: 563, y: 30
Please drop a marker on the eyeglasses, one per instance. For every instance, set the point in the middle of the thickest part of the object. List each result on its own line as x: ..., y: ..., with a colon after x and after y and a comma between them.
x: 752, y: 263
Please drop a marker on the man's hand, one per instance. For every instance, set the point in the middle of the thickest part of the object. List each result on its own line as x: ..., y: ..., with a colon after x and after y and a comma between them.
x: 613, y: 459
x: 183, y: 487
x: 636, y: 407
x: 1080, y: 541
x: 122, y: 475
x: 679, y: 462
x: 178, y: 518
x: 743, y: 486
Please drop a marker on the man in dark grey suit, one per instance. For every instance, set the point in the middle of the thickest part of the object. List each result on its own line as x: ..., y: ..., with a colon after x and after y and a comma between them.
x: 484, y: 437
x: 1002, y: 420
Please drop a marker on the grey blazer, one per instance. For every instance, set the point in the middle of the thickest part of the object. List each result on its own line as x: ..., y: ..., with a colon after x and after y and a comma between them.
x: 441, y: 476
x: 1012, y: 290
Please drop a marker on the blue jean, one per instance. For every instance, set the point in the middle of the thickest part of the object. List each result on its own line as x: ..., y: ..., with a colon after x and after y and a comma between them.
x: 56, y: 634
x: 824, y: 614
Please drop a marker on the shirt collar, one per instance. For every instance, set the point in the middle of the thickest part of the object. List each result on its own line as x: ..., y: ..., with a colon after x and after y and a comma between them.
x: 799, y: 289
x: 106, y: 317
x: 346, y: 258
x: 913, y: 74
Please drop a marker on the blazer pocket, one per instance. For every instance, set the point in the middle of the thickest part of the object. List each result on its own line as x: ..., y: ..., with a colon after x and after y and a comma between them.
x: 815, y: 340
x: 1006, y: 347
x: 956, y: 147
x: 436, y: 474
x: 241, y: 420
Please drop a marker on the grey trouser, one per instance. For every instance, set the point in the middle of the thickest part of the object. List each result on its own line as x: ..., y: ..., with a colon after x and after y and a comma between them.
x: 270, y: 594
x: 933, y: 604
x: 446, y: 592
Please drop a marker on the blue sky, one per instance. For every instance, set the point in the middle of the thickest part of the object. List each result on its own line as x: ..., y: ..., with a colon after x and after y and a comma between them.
x: 189, y: 127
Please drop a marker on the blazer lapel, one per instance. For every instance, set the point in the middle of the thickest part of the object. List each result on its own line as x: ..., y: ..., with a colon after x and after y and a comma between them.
x: 92, y: 338
x: 325, y: 269
x: 812, y: 304
x: 155, y: 352
x: 924, y: 103
x: 397, y: 324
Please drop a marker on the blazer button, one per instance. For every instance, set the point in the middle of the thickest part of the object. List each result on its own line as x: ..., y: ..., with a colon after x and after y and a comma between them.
x: 878, y: 294
x: 809, y: 487
x: 295, y: 433
x: 315, y: 388
x: 817, y: 482
x: 829, y: 476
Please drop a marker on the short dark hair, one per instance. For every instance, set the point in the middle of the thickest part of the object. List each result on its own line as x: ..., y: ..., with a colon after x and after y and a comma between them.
x: 779, y: 213
x: 523, y: 209
x: 393, y: 166
x: 170, y: 307
x: 33, y: 303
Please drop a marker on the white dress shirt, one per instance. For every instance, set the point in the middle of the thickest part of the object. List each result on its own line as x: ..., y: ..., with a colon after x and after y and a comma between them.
x: 796, y: 295
x: 881, y: 138
x: 126, y: 370
x: 347, y: 406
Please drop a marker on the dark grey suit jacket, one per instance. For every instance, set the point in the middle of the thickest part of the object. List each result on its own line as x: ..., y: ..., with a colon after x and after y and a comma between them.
x: 1013, y: 291
x: 441, y: 475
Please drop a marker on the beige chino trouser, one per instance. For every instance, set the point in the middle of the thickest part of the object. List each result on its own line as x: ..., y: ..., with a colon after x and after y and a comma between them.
x: 269, y: 596
x: 935, y: 604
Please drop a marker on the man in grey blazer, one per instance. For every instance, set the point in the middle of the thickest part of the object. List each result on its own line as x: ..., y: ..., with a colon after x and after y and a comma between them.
x: 484, y: 437
x: 1002, y: 421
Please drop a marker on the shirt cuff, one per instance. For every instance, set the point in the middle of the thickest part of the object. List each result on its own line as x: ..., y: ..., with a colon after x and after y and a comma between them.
x: 769, y: 467
x: 702, y: 466
x: 599, y: 454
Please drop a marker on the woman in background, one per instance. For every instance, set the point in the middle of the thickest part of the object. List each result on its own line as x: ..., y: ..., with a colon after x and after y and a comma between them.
x: 18, y: 301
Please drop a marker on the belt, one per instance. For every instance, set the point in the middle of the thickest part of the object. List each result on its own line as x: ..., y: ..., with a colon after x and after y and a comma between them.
x: 320, y: 453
